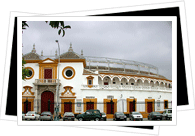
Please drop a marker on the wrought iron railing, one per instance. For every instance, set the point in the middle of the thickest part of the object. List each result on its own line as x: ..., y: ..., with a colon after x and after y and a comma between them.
x: 46, y: 81
x: 126, y: 87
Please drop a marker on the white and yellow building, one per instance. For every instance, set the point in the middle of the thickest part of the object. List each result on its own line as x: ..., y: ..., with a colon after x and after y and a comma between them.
x: 92, y: 83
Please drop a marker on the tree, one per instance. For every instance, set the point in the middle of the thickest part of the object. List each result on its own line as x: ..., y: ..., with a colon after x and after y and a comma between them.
x: 25, y: 72
x: 53, y: 24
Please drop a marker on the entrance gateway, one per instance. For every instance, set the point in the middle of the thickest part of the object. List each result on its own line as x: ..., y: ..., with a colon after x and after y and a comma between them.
x: 47, y: 101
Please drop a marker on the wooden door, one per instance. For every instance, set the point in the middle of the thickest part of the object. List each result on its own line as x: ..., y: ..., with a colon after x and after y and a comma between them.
x: 90, y: 105
x: 67, y: 107
x: 130, y: 106
x: 47, y: 101
x: 149, y: 106
x: 110, y: 108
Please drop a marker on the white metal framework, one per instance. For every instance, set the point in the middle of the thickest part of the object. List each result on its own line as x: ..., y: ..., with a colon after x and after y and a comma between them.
x: 123, y: 63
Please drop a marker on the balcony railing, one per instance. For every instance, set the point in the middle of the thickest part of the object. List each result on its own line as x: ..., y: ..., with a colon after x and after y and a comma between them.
x: 127, y: 87
x: 47, y: 81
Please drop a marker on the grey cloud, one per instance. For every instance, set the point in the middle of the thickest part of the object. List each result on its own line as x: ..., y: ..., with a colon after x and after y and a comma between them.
x: 143, y: 41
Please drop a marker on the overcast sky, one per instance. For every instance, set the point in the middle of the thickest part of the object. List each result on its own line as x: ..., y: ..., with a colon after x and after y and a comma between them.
x: 143, y: 41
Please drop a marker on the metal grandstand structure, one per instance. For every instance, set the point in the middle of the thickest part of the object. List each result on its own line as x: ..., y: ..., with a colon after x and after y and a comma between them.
x: 105, y: 64
x: 94, y: 63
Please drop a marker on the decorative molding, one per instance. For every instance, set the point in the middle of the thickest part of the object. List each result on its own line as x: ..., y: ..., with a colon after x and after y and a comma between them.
x: 27, y: 91
x: 68, y: 92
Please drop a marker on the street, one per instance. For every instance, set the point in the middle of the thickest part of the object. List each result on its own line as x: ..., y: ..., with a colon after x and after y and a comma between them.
x: 144, y: 119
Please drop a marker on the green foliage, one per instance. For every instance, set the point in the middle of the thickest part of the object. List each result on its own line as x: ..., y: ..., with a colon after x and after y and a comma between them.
x: 24, y: 24
x: 53, y: 24
x: 60, y: 25
x: 25, y: 72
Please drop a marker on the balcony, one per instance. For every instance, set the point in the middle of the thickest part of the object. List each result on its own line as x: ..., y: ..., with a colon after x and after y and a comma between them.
x: 46, y: 81
x: 126, y: 87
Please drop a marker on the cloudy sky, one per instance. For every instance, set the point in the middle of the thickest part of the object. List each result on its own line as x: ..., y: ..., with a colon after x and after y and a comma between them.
x: 143, y: 41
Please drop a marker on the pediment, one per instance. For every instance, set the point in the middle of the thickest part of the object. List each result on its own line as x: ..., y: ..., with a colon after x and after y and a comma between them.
x: 27, y: 91
x: 48, y: 60
x: 68, y: 92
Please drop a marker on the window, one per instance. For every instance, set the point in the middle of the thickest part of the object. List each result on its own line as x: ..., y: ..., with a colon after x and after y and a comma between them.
x: 90, y: 81
x: 132, y: 83
x: 68, y: 72
x: 105, y: 83
x: 30, y: 73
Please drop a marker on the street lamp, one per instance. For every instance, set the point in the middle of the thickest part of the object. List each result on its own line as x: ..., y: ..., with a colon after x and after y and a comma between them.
x: 57, y: 91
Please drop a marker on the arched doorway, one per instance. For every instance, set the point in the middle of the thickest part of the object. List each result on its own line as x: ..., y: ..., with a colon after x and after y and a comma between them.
x: 47, y: 101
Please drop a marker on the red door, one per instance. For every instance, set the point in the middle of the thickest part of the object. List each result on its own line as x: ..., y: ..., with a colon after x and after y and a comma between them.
x: 26, y: 109
x: 47, y: 73
x: 47, y: 101
x: 130, y: 106
x: 149, y: 107
x: 110, y: 108
x: 67, y: 107
x: 90, y: 105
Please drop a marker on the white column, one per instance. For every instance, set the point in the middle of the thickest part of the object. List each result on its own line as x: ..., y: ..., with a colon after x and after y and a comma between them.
x: 36, y: 100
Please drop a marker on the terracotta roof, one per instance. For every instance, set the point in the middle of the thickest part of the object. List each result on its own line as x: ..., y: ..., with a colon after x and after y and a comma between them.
x: 31, y: 56
x: 87, y: 72
x: 70, y: 55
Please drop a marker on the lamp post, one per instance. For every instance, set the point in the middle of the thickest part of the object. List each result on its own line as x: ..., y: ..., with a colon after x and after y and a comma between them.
x: 57, y: 91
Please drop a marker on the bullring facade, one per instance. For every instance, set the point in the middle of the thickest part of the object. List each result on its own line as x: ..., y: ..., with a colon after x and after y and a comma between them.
x: 107, y: 84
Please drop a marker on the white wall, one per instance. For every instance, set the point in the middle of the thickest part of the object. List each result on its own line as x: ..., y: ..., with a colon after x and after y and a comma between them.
x: 80, y: 79
x: 140, y: 95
